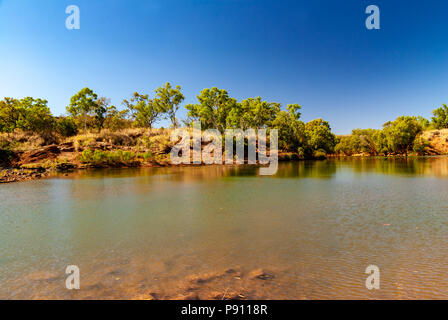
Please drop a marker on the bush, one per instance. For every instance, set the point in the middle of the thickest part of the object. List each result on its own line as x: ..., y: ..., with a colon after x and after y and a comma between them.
x: 320, y: 154
x: 99, y: 157
x: 301, y: 152
x: 66, y: 127
x: 86, y: 156
x: 420, y: 146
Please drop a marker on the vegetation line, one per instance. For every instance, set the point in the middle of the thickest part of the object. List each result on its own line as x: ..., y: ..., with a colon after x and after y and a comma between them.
x: 93, y: 132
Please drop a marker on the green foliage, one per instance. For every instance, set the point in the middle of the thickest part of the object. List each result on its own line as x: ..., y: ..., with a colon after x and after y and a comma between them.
x: 66, y: 126
x: 291, y: 131
x: 344, y: 146
x: 319, y: 154
x: 253, y: 113
x: 319, y: 136
x: 420, y: 146
x: 28, y: 114
x: 9, y: 114
x: 143, y: 110
x: 35, y: 116
x: 213, y: 109
x: 115, y: 119
x: 440, y: 117
x: 86, y: 156
x: 99, y: 157
x: 100, y: 112
x: 82, y: 104
x: 361, y: 141
x: 401, y: 133
x: 145, y: 142
x: 397, y: 137
x: 425, y: 123
x: 147, y: 155
x: 168, y: 100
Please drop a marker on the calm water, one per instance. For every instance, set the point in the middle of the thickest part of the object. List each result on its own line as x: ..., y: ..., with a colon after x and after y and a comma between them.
x: 315, y: 227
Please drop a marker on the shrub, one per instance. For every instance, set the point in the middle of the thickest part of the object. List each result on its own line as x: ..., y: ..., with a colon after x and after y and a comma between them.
x: 86, y: 156
x: 99, y: 157
x: 420, y: 146
x: 301, y: 152
x: 66, y: 127
x: 320, y: 154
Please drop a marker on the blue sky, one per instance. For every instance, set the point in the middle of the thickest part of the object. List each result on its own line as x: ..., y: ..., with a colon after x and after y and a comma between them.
x: 316, y: 53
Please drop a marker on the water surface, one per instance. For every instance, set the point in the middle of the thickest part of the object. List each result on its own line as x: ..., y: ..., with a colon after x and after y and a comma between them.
x: 314, y: 228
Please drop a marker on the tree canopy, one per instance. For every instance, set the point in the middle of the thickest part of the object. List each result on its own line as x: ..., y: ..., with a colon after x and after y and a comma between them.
x: 168, y: 100
x: 216, y: 109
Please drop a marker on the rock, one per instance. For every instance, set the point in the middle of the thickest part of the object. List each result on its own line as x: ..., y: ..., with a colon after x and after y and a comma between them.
x: 48, y: 152
x: 191, y: 296
x: 65, y: 166
x: 260, y: 274
x: 230, y: 271
x: 67, y: 147
x: 14, y: 175
x: 150, y: 296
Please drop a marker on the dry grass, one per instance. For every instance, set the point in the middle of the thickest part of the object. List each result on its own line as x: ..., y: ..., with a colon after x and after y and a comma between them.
x: 24, y: 141
x: 140, y: 138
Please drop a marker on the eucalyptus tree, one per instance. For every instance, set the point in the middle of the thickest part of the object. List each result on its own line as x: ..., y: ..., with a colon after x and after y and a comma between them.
x: 440, y: 117
x: 35, y: 115
x: 82, y: 104
x: 253, y: 113
x: 213, y: 108
x: 319, y: 135
x: 291, y: 130
x: 169, y: 99
x: 100, y: 112
x: 143, y: 110
x: 9, y: 114
x: 401, y: 133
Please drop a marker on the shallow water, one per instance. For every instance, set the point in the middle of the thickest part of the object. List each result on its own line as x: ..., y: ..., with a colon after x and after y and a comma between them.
x: 314, y: 227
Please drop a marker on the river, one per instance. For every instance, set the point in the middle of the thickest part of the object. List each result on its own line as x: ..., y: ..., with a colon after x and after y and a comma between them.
x: 309, y: 232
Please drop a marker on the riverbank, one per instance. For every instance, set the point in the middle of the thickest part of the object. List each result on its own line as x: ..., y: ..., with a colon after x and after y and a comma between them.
x: 29, y: 156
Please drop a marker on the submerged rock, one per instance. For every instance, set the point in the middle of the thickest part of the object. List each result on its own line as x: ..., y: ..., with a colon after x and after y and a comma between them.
x: 261, y: 274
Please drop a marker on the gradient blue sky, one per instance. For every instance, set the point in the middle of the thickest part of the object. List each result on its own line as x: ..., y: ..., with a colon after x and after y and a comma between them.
x: 316, y: 53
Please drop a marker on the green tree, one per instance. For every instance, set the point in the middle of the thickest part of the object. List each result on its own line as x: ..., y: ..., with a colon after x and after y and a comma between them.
x: 420, y: 146
x: 291, y: 131
x: 425, y: 123
x: 35, y: 115
x: 82, y: 104
x: 344, y: 146
x: 100, y: 111
x: 213, y: 109
x: 66, y: 126
x: 9, y: 114
x: 169, y: 99
x: 320, y: 136
x: 440, y: 118
x: 400, y: 134
x: 363, y: 140
x: 144, y: 111
x: 115, y: 119
x: 260, y: 113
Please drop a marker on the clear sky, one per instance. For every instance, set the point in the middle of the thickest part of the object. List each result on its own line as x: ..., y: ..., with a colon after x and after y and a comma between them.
x: 317, y: 53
